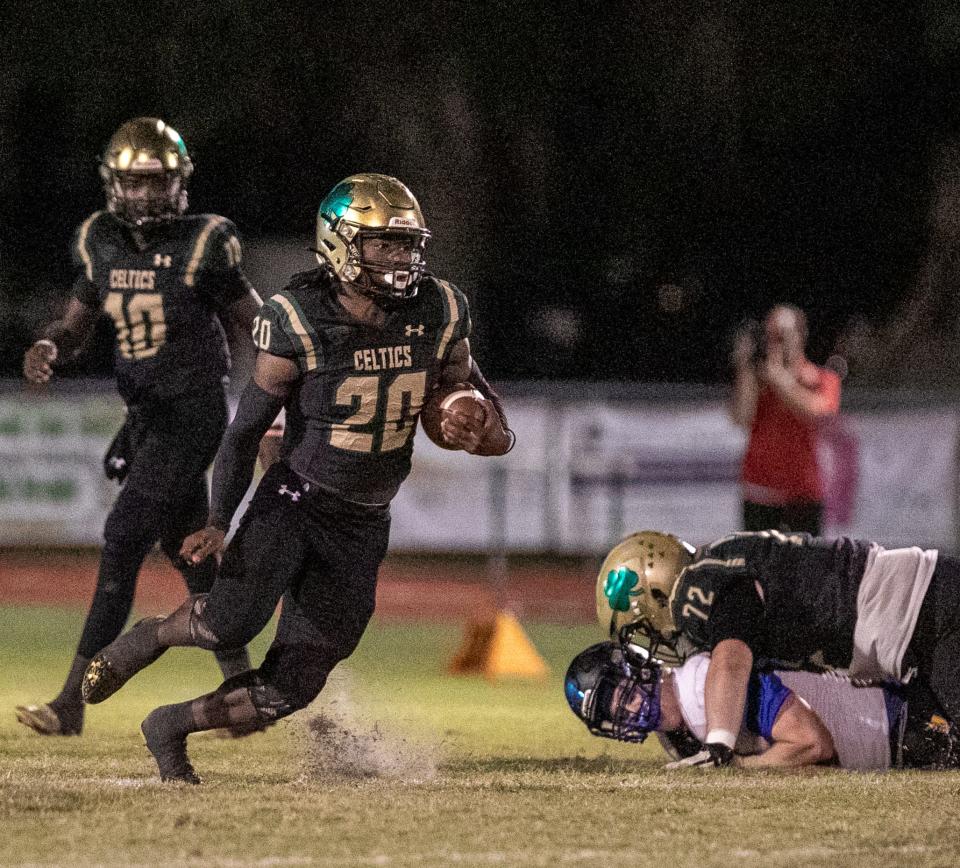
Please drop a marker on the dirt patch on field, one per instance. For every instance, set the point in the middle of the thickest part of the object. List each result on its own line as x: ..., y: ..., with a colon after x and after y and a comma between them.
x: 409, y: 587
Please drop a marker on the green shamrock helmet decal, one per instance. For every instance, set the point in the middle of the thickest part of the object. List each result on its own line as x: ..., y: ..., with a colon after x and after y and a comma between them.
x: 637, y: 579
x: 619, y: 588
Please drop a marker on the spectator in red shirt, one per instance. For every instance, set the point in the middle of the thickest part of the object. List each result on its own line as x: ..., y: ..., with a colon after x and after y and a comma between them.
x: 781, y: 398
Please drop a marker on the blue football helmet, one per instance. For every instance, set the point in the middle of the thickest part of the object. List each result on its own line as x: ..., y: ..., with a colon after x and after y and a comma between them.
x: 615, y: 690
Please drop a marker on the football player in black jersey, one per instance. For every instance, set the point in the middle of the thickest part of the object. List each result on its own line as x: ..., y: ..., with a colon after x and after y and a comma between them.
x: 351, y: 350
x: 885, y: 615
x: 168, y: 280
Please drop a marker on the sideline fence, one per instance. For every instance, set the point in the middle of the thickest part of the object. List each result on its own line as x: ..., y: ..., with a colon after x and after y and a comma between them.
x: 592, y: 462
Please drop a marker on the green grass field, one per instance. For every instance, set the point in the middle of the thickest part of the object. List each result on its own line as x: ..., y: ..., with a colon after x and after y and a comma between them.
x: 419, y: 768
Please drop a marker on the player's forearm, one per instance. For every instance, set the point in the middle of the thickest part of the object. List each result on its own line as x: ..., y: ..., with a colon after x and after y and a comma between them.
x: 783, y: 755
x: 479, y: 382
x: 790, y: 753
x: 243, y: 311
x: 501, y: 441
x: 726, y: 690
x: 233, y: 469
x: 68, y: 333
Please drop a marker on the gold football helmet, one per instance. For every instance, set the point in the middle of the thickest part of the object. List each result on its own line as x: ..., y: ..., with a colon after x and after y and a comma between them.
x: 359, y: 212
x: 634, y: 586
x: 145, y: 169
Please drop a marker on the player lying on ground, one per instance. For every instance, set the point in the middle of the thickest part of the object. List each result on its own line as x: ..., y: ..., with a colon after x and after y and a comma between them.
x: 791, y: 719
x: 885, y: 615
x: 171, y: 282
x: 352, y: 350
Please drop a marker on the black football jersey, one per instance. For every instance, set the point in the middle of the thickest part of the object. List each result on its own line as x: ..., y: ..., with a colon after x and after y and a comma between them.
x: 352, y: 415
x: 163, y: 299
x: 788, y: 596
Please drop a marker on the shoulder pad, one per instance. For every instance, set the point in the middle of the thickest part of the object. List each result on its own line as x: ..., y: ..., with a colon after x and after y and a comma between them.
x: 216, y: 246
x: 282, y: 329
x: 85, y: 240
x: 456, y: 316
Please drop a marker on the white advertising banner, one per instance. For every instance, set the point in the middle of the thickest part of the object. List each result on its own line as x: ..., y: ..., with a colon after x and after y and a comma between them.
x: 583, y: 474
x: 907, y: 478
x: 52, y: 487
x: 633, y: 467
x: 456, y: 501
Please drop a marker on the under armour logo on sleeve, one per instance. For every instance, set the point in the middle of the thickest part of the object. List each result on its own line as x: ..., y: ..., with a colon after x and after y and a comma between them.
x: 161, y: 260
x: 417, y: 330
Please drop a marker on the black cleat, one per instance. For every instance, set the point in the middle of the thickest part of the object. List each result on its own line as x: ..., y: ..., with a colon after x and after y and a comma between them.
x: 116, y: 664
x: 169, y: 750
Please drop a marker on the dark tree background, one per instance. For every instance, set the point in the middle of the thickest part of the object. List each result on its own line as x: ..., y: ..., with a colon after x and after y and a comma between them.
x: 615, y: 185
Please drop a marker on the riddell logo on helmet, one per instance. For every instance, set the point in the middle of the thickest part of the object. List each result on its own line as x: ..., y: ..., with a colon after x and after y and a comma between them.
x: 404, y: 222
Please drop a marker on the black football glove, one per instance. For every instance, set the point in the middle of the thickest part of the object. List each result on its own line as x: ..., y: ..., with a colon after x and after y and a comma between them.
x: 713, y: 756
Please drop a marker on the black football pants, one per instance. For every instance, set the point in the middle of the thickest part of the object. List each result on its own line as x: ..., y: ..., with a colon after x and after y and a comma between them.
x: 164, y: 498
x: 320, y: 554
x: 935, y: 647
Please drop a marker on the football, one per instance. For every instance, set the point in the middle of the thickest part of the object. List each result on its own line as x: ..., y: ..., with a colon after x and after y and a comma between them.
x: 456, y: 398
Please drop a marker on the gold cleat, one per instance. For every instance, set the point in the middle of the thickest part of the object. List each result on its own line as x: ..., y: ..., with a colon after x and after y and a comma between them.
x: 43, y: 719
x: 99, y: 682
x: 116, y: 664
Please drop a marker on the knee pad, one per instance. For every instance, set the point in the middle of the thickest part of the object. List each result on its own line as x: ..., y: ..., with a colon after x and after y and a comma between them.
x: 200, y: 632
x: 267, y: 698
x: 236, y: 634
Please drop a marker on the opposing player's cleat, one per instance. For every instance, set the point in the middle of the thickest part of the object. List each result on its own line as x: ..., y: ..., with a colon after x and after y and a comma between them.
x: 45, y: 721
x: 116, y: 664
x: 169, y: 750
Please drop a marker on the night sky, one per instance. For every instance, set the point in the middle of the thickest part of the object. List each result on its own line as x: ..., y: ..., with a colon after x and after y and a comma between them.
x: 614, y: 185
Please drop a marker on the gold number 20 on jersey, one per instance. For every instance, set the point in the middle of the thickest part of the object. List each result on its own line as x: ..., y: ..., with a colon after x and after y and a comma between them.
x: 396, y: 414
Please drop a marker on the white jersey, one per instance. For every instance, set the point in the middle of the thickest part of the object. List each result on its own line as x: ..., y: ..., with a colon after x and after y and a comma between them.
x: 856, y: 717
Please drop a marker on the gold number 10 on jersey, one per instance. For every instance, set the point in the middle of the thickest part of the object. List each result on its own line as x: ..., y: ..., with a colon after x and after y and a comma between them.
x: 141, y: 325
x: 392, y: 419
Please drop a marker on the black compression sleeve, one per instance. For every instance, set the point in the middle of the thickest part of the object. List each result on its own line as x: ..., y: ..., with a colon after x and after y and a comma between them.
x: 479, y: 382
x: 237, y: 457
